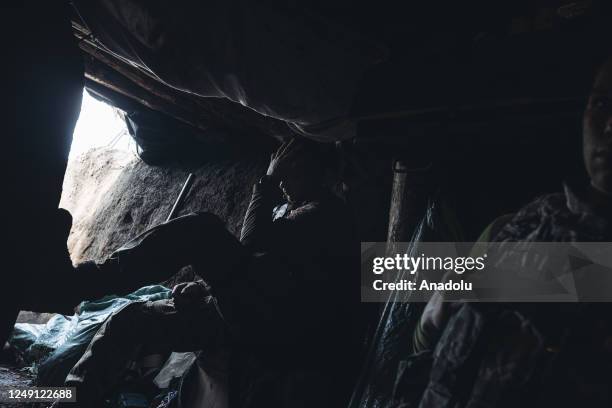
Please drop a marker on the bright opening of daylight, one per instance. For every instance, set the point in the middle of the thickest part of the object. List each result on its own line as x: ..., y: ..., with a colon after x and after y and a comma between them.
x: 101, y: 150
x: 99, y: 125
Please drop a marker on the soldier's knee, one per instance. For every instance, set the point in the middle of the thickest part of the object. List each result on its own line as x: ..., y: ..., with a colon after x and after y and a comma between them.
x: 208, y: 219
x: 128, y: 319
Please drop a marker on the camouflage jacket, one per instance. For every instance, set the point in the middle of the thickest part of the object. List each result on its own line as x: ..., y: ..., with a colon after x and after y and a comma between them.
x: 506, y: 355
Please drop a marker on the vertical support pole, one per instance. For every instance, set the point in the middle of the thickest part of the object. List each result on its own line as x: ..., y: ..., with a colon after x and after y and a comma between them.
x: 178, y: 204
x: 408, y: 201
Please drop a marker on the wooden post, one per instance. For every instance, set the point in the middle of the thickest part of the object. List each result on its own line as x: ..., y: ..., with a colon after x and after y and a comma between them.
x: 408, y: 201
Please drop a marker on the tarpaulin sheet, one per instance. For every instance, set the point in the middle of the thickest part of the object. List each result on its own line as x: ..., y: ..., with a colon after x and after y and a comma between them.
x: 391, y: 346
x: 56, y: 346
x: 279, y: 61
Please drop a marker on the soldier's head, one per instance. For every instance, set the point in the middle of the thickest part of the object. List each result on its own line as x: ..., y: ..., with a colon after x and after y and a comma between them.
x: 597, y: 130
x: 305, y: 174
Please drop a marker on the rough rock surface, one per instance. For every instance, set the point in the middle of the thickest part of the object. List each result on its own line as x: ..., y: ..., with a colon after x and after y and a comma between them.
x: 12, y: 377
x: 113, y: 196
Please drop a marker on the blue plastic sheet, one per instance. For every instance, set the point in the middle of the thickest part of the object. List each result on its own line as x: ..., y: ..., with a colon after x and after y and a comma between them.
x: 53, y: 348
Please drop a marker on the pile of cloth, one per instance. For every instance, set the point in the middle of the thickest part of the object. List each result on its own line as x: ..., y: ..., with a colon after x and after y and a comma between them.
x: 52, y: 349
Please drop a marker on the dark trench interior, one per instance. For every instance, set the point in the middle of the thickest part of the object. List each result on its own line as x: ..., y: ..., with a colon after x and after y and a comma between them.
x: 481, y: 103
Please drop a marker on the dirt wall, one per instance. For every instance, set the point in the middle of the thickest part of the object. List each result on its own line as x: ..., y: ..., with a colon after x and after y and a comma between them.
x: 113, y: 196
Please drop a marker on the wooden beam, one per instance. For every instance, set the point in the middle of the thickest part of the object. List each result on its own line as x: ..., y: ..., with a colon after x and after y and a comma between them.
x: 101, y: 74
x: 217, y: 112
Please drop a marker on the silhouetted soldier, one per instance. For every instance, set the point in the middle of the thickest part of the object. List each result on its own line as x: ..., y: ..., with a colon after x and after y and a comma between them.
x: 282, y: 297
x: 565, y: 346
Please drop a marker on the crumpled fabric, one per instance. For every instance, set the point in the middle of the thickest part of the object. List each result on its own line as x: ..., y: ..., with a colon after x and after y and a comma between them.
x: 53, y: 348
